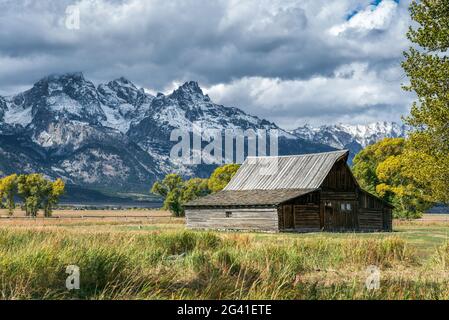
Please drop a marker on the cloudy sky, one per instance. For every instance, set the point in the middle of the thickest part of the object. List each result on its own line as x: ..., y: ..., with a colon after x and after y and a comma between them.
x: 292, y: 62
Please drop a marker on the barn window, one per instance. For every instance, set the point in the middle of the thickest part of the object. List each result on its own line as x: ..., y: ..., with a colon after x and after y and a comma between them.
x: 348, y: 206
x: 228, y: 214
x: 345, y: 207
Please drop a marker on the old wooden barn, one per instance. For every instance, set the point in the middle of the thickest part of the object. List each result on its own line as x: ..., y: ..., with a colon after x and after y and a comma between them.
x: 301, y: 193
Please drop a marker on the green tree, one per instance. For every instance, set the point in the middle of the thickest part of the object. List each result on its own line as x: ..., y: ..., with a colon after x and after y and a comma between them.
x: 35, y: 191
x: 221, y: 177
x: 427, y: 67
x: 398, y: 185
x: 176, y: 192
x: 366, y: 161
x: 173, y: 203
x: 51, y: 192
x: 384, y: 170
x: 170, y: 188
x: 195, y: 188
x: 8, y: 190
x: 31, y: 188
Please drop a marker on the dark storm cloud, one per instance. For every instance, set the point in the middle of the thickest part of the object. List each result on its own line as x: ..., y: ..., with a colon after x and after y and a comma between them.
x: 228, y: 46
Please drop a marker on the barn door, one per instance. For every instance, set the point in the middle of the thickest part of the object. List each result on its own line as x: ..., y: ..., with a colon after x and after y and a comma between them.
x: 289, y: 222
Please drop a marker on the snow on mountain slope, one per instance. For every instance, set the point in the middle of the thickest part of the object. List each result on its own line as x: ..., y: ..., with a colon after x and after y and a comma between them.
x: 16, y: 115
x: 114, y: 135
x: 373, y: 132
x: 123, y: 104
x: 3, y: 107
x: 187, y: 108
x: 352, y: 137
x: 68, y: 96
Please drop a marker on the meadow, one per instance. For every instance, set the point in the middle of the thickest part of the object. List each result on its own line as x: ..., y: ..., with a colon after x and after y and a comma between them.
x: 141, y: 254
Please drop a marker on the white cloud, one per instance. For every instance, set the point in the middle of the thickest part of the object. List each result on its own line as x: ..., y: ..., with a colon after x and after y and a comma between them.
x: 374, y: 17
x: 281, y: 51
x: 353, y: 94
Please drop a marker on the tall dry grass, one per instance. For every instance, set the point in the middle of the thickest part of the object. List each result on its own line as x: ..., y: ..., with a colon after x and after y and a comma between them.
x: 207, y: 265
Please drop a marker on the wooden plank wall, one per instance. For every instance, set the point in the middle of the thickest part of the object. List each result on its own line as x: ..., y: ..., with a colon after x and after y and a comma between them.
x: 336, y: 219
x: 306, y: 212
x: 307, y: 217
x: 339, y: 178
x: 370, y: 219
x: 339, y: 220
x: 388, y: 219
x: 373, y: 214
x: 281, y: 221
x: 261, y: 219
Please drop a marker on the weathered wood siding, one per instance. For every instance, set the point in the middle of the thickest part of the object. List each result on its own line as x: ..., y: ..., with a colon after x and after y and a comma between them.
x: 374, y: 215
x: 305, y: 213
x: 339, y: 178
x: 336, y: 218
x: 367, y: 212
x: 262, y: 219
x: 388, y: 219
x: 307, y: 217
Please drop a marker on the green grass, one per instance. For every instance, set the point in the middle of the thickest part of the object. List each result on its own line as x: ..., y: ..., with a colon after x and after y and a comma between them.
x: 138, y: 260
x: 424, y: 238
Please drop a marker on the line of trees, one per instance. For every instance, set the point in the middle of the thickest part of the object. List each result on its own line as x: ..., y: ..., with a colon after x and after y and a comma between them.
x: 35, y: 191
x: 177, y: 191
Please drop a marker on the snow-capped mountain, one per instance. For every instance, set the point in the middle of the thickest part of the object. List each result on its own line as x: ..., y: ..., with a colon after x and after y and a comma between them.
x: 113, y: 135
x: 123, y: 103
x: 352, y: 137
x: 188, y: 107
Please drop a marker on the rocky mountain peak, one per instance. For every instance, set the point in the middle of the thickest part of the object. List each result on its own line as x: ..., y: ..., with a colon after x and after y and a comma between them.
x: 73, y: 85
x: 191, y: 86
x: 189, y: 91
x: 60, y: 81
x: 122, y: 82
x: 119, y: 91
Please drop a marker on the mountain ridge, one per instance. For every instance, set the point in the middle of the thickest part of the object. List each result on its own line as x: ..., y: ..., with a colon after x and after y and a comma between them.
x: 113, y: 134
x: 351, y: 137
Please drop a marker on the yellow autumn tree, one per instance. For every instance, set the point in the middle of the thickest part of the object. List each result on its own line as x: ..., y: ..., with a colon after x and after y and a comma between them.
x: 384, y: 168
x: 8, y: 189
x: 221, y: 177
x: 396, y: 180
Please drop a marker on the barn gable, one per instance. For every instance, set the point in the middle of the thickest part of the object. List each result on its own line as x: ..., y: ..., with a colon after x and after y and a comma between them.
x: 340, y: 178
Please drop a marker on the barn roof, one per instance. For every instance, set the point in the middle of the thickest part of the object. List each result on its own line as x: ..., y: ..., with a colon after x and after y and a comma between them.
x: 248, y: 197
x: 273, y: 180
x: 306, y: 171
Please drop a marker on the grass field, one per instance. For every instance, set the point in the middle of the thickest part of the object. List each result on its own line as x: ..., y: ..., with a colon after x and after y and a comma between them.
x: 141, y: 254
